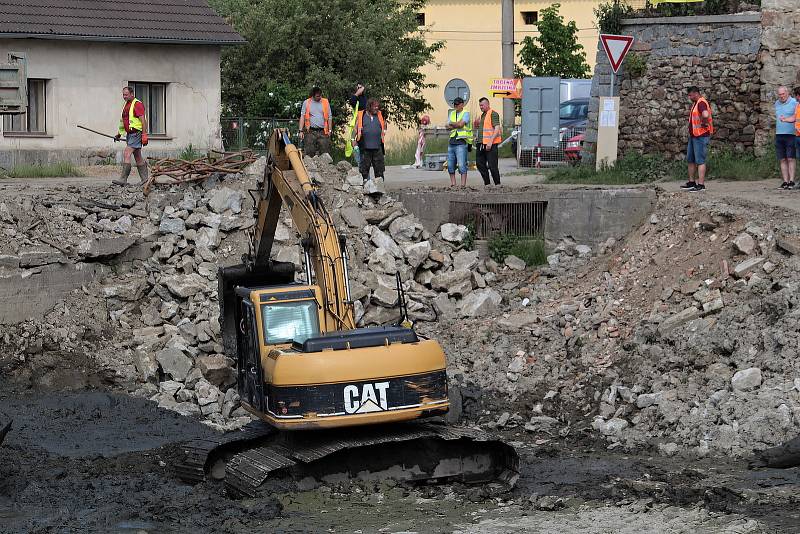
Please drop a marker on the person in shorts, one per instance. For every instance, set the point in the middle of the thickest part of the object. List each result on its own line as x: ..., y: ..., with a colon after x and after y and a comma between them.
x: 785, y: 110
x: 133, y: 125
x: 701, y: 127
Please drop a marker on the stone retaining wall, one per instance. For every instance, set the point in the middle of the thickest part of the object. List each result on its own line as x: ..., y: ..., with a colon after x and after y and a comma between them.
x: 718, y: 53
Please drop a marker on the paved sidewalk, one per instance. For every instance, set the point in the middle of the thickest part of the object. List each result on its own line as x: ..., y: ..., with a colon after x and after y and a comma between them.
x: 510, y: 175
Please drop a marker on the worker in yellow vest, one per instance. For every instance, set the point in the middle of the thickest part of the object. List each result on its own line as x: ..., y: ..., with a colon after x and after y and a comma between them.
x: 370, y: 133
x: 316, y: 124
x: 488, y: 134
x: 460, y: 141
x: 133, y: 125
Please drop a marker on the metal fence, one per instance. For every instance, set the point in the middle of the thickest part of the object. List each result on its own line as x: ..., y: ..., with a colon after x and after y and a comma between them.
x: 549, y: 156
x: 239, y: 133
x: 525, y: 219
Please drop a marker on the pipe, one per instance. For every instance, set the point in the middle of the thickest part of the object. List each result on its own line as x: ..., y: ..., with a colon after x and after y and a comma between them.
x: 342, y: 245
x: 507, y: 38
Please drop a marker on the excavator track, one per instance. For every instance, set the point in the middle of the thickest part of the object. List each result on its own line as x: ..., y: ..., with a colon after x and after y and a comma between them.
x: 412, y: 452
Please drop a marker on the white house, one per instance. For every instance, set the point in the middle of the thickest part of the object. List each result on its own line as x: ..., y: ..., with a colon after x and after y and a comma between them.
x: 80, y: 54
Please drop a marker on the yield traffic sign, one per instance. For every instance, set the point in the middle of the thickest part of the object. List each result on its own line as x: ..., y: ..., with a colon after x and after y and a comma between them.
x: 616, y: 47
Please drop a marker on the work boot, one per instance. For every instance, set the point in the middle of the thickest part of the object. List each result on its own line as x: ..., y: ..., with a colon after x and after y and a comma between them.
x: 123, y: 180
x: 143, y: 174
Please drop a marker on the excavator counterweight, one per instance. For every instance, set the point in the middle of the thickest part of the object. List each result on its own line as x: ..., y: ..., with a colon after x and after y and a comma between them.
x: 331, y: 398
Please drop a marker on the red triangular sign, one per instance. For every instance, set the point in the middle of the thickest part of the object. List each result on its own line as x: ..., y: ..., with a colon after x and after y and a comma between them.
x: 616, y: 46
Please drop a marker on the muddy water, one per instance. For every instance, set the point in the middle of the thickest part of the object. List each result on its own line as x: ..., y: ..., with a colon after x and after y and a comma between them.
x: 99, y: 462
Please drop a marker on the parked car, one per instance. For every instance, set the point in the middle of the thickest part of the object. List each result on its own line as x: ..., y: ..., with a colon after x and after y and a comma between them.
x: 573, y: 117
x: 572, y: 151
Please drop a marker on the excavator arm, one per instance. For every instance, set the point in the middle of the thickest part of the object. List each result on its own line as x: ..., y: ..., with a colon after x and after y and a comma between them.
x: 286, y: 182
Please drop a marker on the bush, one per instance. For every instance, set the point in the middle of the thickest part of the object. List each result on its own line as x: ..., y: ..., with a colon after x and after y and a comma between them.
x: 49, y: 170
x: 531, y: 251
x: 610, y: 15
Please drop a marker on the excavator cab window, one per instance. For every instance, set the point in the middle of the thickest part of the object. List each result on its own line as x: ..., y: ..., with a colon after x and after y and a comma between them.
x: 285, y: 322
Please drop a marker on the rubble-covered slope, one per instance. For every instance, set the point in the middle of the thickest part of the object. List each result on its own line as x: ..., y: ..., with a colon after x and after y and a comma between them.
x: 683, y: 336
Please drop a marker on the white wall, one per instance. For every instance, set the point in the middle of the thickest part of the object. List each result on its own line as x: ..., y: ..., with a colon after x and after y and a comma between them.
x: 86, y: 80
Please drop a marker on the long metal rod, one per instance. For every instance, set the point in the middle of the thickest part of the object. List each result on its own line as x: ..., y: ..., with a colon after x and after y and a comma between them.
x: 98, y: 133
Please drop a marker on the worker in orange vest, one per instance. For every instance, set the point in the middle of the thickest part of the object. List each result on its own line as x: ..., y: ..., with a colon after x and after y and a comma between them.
x: 701, y: 127
x: 316, y: 124
x: 488, y: 134
x: 370, y: 133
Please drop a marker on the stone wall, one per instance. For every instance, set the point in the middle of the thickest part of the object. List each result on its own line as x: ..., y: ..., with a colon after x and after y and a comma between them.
x: 717, y: 53
x: 779, y: 58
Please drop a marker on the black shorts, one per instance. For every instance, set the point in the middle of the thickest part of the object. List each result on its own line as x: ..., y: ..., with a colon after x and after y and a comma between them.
x: 785, y: 146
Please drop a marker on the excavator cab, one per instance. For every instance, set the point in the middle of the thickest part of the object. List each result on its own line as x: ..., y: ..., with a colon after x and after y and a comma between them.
x: 294, y: 376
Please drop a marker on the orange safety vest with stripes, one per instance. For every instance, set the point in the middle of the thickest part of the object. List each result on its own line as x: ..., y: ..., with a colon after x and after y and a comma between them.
x: 326, y: 114
x: 489, y: 138
x: 696, y: 120
x: 360, y: 125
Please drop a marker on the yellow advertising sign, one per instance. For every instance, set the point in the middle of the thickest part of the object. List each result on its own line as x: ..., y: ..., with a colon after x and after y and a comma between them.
x: 505, y: 87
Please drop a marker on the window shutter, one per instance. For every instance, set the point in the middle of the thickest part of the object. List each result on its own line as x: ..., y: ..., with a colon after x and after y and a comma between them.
x: 13, y: 85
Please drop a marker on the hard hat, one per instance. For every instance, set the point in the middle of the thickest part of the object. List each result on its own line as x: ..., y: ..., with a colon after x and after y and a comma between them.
x: 425, y: 120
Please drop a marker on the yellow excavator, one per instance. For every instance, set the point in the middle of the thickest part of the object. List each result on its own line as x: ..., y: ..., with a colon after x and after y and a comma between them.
x: 330, y: 398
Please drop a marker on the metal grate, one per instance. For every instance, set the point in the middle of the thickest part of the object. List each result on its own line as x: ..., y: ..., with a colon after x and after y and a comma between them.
x: 547, y: 156
x: 525, y: 219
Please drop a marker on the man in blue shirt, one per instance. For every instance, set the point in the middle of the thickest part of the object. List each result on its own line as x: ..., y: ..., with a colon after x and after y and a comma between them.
x: 785, y: 108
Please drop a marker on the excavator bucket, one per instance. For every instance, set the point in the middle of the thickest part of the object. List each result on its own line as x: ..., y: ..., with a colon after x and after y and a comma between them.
x: 411, y: 453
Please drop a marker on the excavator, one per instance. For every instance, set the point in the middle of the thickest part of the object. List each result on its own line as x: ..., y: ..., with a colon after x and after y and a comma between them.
x: 331, y: 399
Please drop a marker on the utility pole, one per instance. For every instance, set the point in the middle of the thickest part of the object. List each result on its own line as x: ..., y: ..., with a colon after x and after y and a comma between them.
x: 508, y: 57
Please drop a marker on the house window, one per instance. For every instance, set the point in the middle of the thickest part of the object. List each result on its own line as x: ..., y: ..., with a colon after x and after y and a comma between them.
x: 420, y: 19
x: 154, y: 99
x: 33, y: 120
x: 530, y: 17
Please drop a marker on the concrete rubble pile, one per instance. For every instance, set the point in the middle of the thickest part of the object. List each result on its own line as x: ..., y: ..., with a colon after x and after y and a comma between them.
x: 683, y: 337
x: 134, y: 280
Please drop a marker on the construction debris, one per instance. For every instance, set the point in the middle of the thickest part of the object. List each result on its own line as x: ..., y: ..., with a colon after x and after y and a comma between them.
x: 182, y: 171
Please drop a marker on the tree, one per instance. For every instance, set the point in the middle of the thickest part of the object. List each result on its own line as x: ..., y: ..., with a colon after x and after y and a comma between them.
x: 555, y: 50
x: 293, y: 45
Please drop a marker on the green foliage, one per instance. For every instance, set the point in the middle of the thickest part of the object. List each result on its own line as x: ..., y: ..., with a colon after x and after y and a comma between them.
x: 500, y: 246
x: 610, y: 14
x: 49, y: 170
x: 637, y: 168
x: 633, y: 168
x: 555, y: 50
x: 469, y: 241
x: 707, y: 7
x: 635, y: 65
x: 531, y: 251
x: 293, y: 45
x: 189, y: 153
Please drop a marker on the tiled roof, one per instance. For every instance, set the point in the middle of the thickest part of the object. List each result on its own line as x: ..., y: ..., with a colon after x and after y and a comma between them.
x: 151, y: 21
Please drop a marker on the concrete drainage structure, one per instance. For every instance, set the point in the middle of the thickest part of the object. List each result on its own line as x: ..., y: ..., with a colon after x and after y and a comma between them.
x: 588, y: 216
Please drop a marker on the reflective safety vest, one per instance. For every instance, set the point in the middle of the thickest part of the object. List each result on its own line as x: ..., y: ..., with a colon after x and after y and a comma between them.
x: 488, y: 130
x: 461, y: 133
x: 697, y: 120
x: 360, y: 125
x: 326, y: 114
x: 134, y: 123
x: 797, y: 121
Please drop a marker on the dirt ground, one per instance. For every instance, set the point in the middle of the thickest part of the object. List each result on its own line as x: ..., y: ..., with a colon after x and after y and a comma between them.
x: 96, y: 460
x: 99, y: 462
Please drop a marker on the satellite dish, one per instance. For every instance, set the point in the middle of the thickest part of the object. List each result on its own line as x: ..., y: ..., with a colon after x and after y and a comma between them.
x: 454, y: 88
